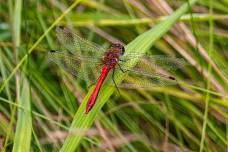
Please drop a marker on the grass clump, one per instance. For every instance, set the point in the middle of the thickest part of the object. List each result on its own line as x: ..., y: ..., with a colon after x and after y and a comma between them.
x: 42, y: 106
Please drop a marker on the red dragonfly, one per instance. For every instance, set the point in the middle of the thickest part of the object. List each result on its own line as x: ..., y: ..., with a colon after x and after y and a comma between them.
x: 92, y: 63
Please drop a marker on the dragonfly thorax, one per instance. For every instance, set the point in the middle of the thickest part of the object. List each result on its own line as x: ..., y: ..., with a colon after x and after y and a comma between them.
x: 111, y: 58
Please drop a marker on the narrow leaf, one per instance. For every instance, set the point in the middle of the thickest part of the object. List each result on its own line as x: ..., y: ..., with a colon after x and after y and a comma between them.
x: 24, y: 123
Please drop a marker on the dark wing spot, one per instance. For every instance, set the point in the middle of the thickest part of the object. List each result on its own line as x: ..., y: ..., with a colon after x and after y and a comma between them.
x: 52, y: 51
x: 61, y: 27
x: 171, y: 78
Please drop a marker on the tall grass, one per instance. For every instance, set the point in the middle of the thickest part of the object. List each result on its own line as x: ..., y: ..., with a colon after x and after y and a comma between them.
x: 42, y: 106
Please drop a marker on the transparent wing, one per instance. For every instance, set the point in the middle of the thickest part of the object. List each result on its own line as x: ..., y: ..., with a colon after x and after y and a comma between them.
x: 85, y: 68
x: 152, y: 62
x: 138, y: 80
x: 77, y: 45
x: 149, y: 71
x: 77, y: 56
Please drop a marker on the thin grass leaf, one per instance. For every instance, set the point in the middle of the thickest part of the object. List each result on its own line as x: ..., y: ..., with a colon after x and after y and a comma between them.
x: 24, y: 123
x: 209, y: 68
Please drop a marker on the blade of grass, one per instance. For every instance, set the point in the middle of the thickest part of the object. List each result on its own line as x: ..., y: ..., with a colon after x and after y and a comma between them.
x: 211, y: 47
x: 34, y: 113
x: 15, y: 16
x: 3, y: 71
x: 126, y: 21
x: 24, y: 123
x: 142, y: 43
x: 4, y: 127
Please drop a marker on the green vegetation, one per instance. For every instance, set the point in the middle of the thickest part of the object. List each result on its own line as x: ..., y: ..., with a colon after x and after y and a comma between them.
x: 43, y: 107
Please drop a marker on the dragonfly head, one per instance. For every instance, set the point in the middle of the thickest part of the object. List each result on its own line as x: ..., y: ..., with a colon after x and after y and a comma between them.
x: 119, y: 47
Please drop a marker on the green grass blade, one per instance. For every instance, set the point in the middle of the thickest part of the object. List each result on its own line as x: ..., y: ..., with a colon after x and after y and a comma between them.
x: 211, y: 41
x: 142, y: 43
x: 24, y: 123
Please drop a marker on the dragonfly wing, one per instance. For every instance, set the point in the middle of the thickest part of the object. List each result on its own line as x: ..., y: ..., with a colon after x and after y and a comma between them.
x: 77, y: 45
x: 150, y: 71
x: 139, y: 80
x: 85, y: 68
x: 153, y: 62
x: 78, y: 56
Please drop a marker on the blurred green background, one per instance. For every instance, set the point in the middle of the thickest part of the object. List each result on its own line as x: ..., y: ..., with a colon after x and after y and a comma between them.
x: 38, y: 100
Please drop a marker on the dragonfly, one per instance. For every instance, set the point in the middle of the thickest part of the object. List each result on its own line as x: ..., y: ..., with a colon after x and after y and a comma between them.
x: 95, y: 64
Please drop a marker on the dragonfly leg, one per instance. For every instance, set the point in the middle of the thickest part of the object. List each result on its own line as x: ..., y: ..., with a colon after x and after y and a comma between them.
x: 113, y: 79
x: 121, y: 68
x: 89, y: 86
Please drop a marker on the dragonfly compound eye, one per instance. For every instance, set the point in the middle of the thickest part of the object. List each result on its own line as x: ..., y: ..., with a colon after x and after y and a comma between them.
x: 118, y: 46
